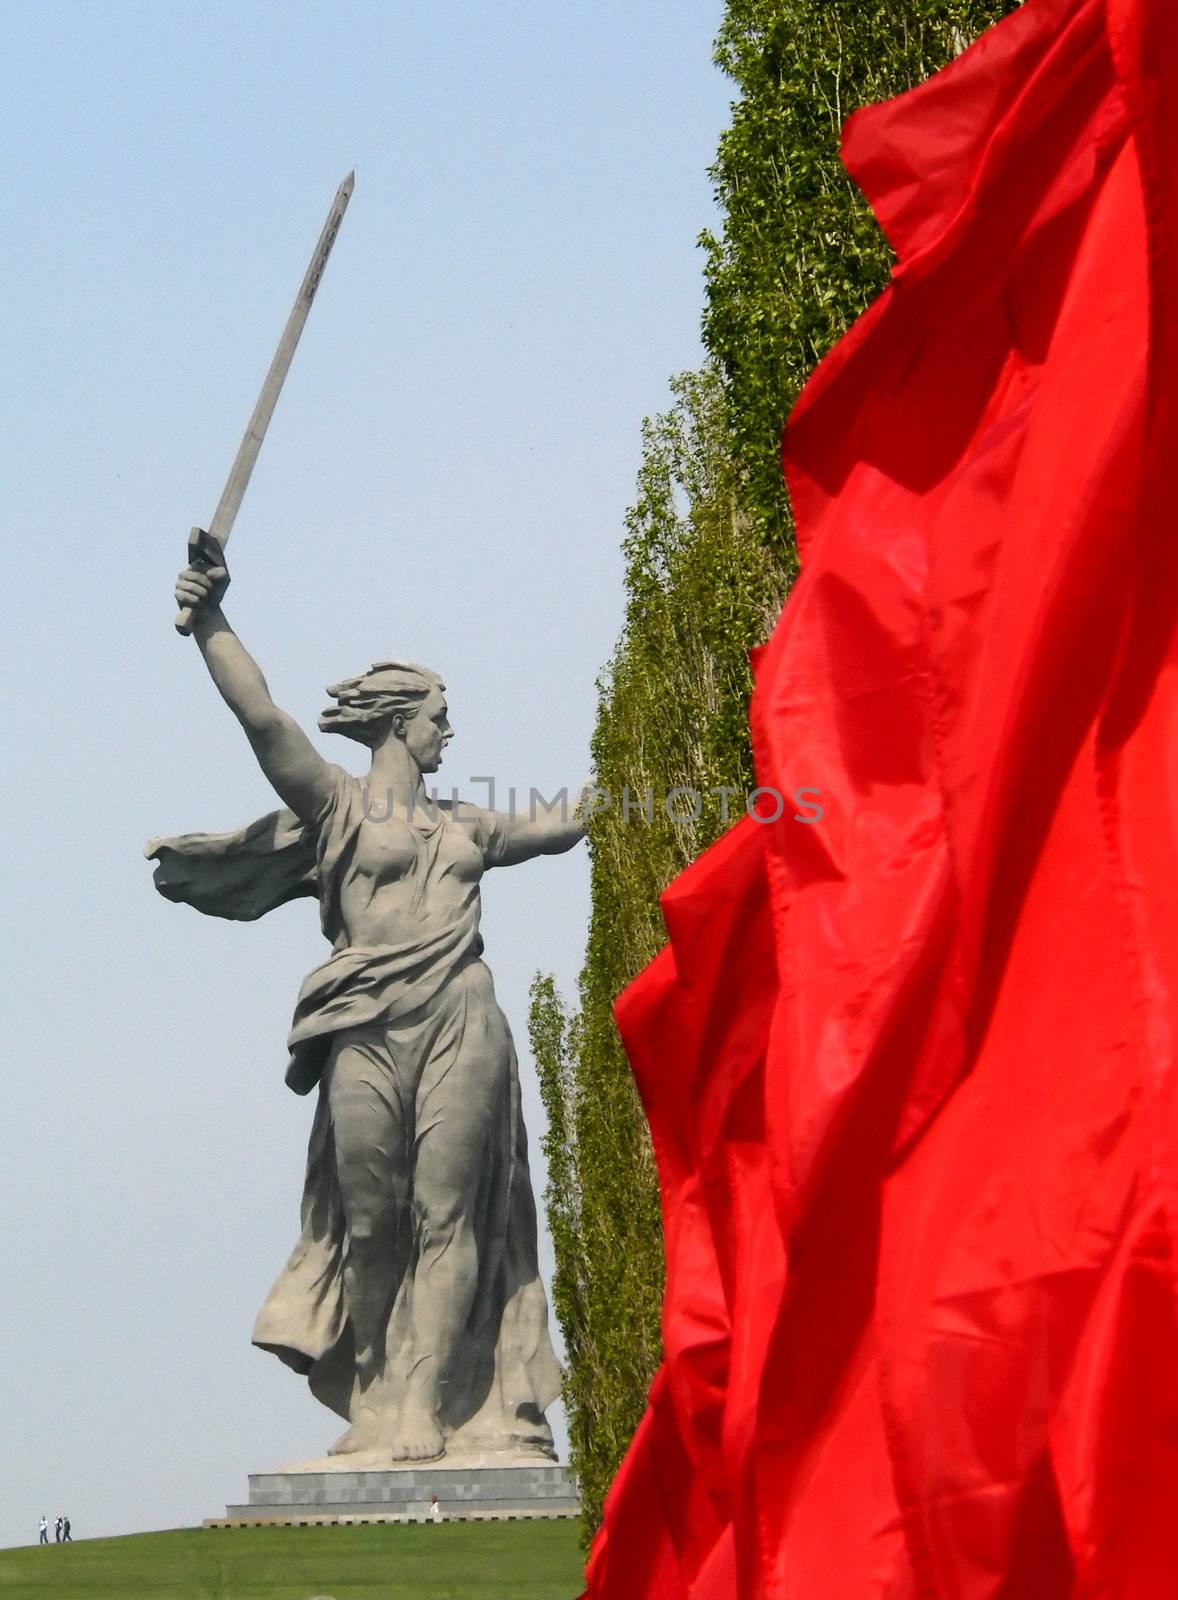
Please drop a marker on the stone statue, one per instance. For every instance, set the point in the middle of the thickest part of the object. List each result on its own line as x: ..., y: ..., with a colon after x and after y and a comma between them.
x: 412, y: 1300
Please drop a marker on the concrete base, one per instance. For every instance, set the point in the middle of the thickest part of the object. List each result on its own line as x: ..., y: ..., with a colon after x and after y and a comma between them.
x: 403, y: 1494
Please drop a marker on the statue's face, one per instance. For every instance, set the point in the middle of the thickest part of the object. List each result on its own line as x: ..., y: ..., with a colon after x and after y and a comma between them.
x: 429, y: 732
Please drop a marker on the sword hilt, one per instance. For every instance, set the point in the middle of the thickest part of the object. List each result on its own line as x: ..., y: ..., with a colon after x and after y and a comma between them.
x: 204, y: 552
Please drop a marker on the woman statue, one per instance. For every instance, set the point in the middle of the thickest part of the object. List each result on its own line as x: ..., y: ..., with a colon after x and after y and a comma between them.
x: 412, y: 1300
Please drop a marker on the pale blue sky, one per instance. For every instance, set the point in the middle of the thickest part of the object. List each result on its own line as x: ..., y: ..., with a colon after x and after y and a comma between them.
x: 445, y: 479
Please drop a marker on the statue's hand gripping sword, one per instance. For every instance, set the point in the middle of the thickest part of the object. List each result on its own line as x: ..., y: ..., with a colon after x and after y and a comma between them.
x: 206, y: 548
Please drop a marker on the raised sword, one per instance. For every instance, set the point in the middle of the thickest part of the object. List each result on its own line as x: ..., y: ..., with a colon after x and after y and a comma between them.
x: 206, y: 547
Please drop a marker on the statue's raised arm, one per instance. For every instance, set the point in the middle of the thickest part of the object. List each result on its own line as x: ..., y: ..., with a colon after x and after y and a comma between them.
x: 297, y: 772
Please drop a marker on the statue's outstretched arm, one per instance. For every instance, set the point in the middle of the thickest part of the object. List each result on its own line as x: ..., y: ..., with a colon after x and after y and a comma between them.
x: 298, y: 773
x: 546, y: 828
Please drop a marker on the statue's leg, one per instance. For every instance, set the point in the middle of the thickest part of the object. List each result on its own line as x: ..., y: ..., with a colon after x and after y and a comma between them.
x: 372, y: 1132
x: 457, y: 1125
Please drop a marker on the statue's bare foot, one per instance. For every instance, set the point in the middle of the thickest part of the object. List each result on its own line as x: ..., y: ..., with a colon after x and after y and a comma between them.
x: 418, y: 1437
x: 362, y: 1435
x: 528, y: 1430
x: 529, y: 1445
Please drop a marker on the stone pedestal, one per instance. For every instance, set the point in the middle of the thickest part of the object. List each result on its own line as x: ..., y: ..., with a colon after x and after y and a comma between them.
x: 403, y: 1494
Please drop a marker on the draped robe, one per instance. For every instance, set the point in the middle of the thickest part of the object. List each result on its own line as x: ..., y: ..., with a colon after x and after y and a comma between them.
x: 505, y: 1373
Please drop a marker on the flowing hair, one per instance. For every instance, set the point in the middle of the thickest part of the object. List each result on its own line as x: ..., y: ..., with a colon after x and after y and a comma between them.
x: 367, y: 703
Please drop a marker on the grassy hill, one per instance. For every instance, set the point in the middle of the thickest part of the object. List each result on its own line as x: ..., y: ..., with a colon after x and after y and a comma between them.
x: 377, y: 1561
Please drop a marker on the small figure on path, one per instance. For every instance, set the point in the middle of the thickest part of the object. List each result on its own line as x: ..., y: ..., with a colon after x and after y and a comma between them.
x: 435, y: 1509
x: 66, y: 1536
x: 44, y: 1539
x: 57, y: 1531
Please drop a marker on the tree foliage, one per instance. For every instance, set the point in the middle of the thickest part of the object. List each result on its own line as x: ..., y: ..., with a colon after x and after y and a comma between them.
x: 709, y: 558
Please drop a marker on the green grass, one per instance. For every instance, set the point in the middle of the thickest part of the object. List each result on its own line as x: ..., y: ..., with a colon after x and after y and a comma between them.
x: 376, y: 1561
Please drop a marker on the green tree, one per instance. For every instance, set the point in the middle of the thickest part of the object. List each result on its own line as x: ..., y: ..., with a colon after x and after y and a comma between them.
x: 709, y: 558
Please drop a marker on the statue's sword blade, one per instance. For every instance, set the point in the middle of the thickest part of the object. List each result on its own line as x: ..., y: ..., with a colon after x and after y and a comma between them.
x: 221, y: 526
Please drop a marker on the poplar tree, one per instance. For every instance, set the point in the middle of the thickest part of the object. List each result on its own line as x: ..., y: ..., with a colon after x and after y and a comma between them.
x: 709, y: 558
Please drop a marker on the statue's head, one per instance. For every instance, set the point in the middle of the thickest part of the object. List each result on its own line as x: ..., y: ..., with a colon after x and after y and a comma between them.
x: 393, y: 700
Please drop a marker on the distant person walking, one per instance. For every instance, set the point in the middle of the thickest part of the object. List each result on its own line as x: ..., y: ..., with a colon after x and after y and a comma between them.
x: 435, y: 1509
x: 66, y: 1536
x: 57, y: 1531
x: 44, y: 1539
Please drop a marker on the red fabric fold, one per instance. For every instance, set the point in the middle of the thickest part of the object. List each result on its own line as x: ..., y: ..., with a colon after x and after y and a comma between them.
x: 910, y: 1070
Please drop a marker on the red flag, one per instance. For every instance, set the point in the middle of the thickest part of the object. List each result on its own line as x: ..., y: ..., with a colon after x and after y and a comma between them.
x: 910, y: 1069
